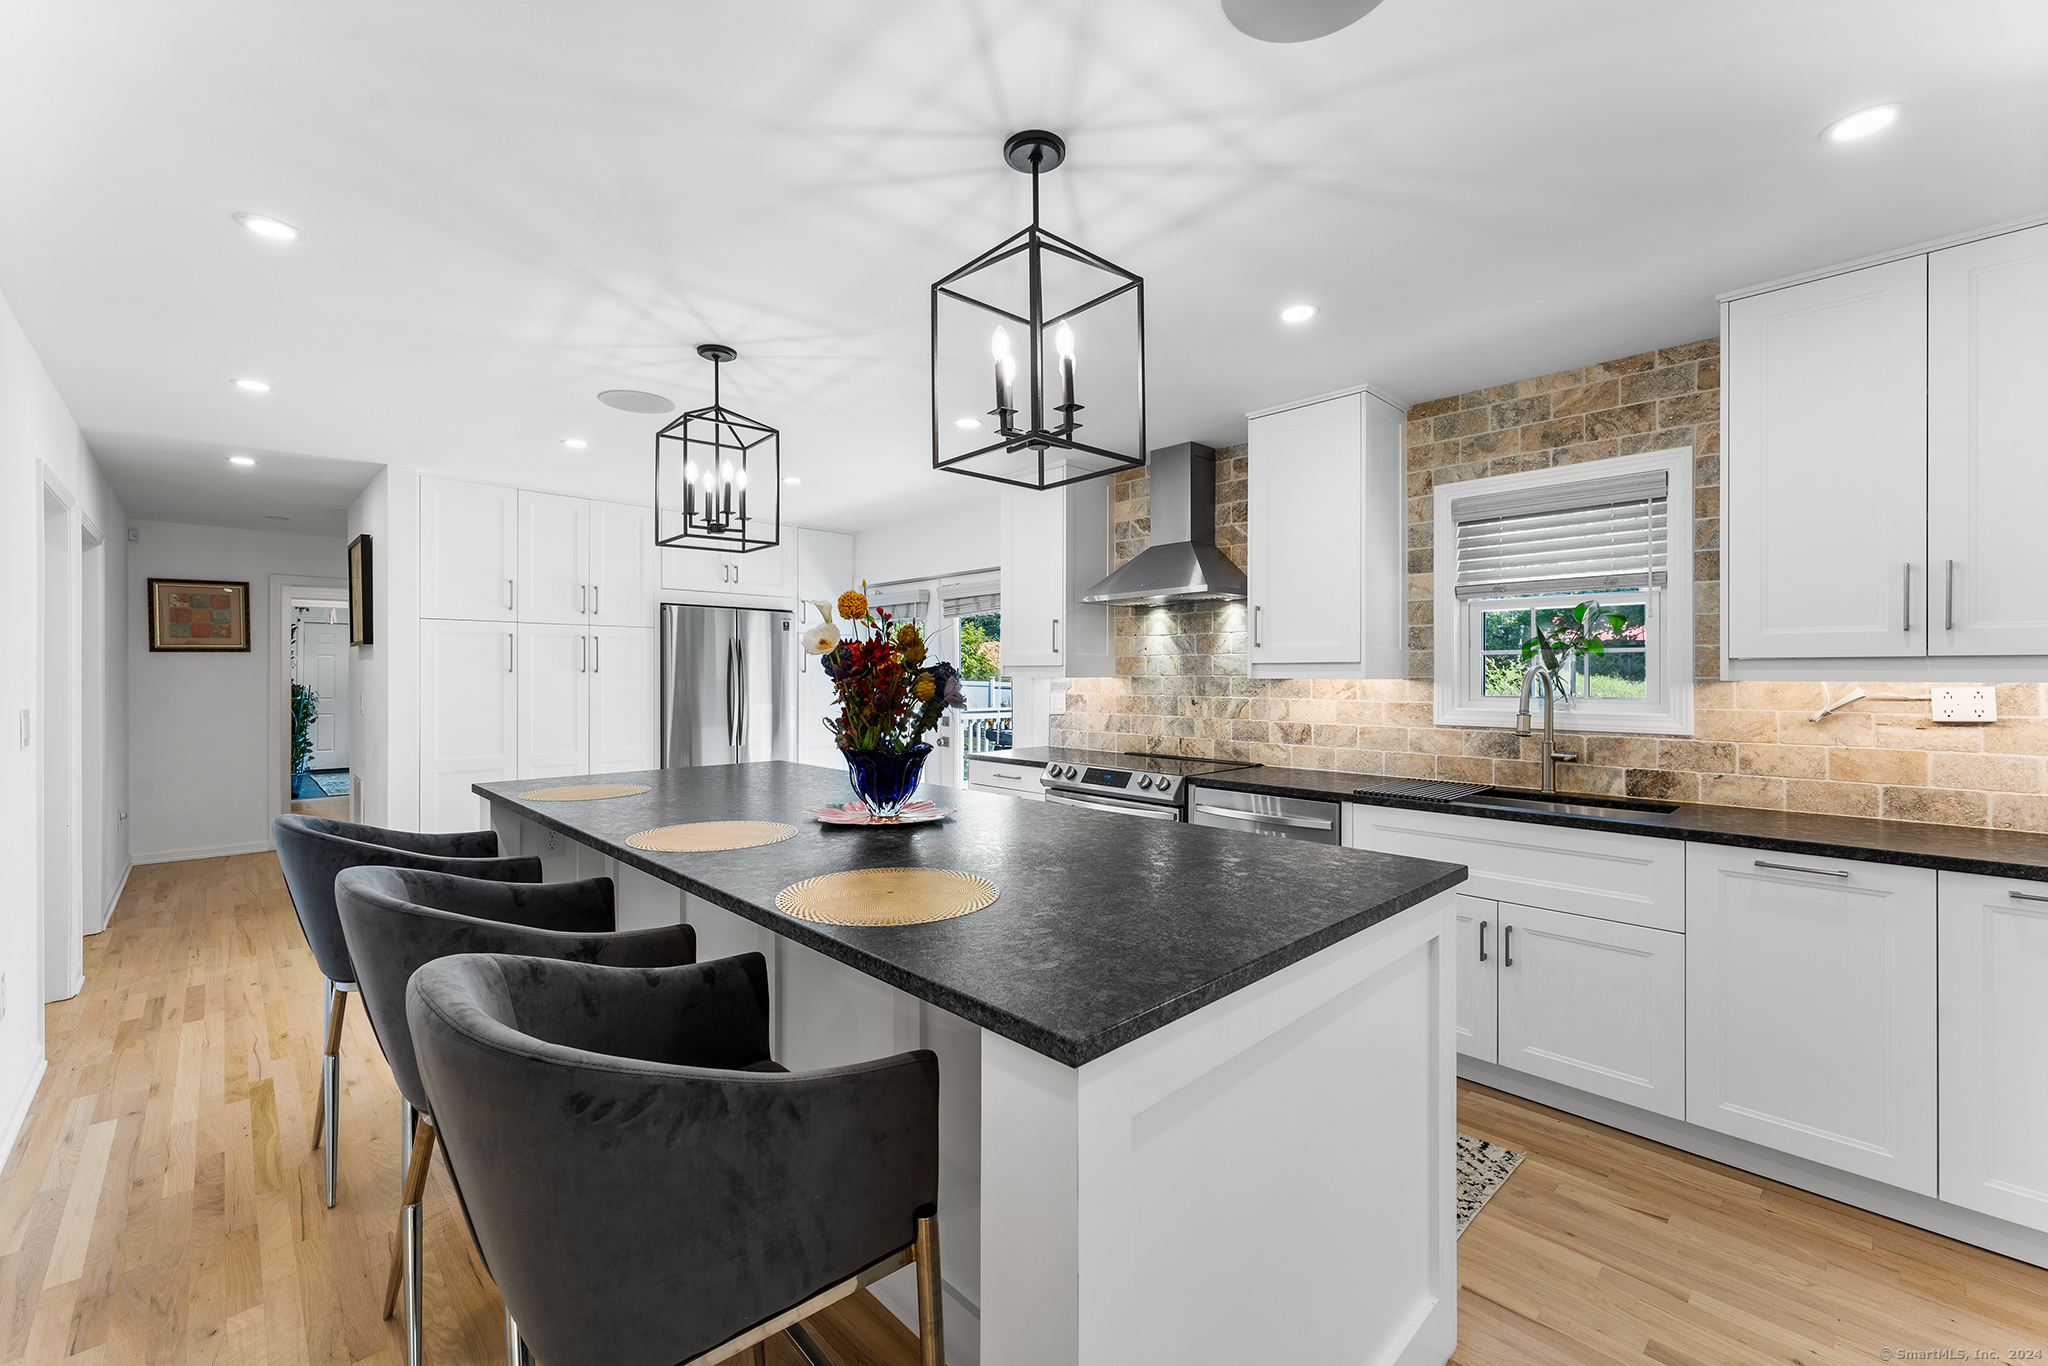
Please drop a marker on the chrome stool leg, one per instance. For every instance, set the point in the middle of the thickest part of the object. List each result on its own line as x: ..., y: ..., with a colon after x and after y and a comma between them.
x: 416, y: 1145
x: 515, y: 1349
x: 327, y: 1110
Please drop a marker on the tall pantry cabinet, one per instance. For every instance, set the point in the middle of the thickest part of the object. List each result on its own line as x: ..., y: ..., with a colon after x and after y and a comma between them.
x: 537, y: 649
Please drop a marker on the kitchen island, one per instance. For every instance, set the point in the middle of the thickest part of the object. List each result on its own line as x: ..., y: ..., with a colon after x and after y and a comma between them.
x: 1197, y: 1098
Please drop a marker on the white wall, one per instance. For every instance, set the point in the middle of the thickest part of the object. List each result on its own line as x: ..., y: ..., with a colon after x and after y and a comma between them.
x: 37, y: 434
x: 966, y: 538
x: 383, y: 678
x: 201, y: 782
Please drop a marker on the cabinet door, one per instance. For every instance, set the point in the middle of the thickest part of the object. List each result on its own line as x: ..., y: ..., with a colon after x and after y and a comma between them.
x: 1303, y: 479
x: 469, y: 539
x: 1034, y: 577
x: 468, y: 718
x: 769, y: 573
x: 1478, y: 979
x: 554, y: 558
x: 1987, y: 458
x: 1994, y: 1016
x: 554, y: 701
x: 696, y: 571
x: 1810, y: 987
x: 621, y: 565
x: 623, y: 680
x: 1824, y: 468
x: 1594, y: 1004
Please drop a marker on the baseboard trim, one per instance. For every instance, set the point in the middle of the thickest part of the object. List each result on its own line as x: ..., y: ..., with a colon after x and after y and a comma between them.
x: 114, y: 898
x: 1908, y: 1207
x: 215, y: 851
x: 17, y: 1114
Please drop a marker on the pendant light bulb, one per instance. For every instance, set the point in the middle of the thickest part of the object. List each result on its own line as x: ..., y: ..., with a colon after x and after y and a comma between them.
x: 740, y: 479
x: 1063, y: 341
x: 1006, y: 366
x: 689, y: 472
x: 999, y: 344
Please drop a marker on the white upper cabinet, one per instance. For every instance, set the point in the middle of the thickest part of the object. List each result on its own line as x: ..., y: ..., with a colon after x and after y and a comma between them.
x: 1810, y: 1001
x: 469, y: 539
x: 1824, y: 467
x: 1994, y: 1015
x: 621, y: 565
x: 769, y: 573
x: 1987, y: 454
x: 1055, y: 547
x: 1326, y: 533
x: 554, y: 555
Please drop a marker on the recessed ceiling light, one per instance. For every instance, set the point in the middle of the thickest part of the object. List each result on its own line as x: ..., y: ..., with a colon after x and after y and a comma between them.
x: 252, y: 386
x: 574, y: 443
x: 791, y: 479
x: 635, y: 401
x: 1298, y: 313
x: 241, y: 460
x: 1863, y: 123
x: 966, y: 424
x: 265, y: 226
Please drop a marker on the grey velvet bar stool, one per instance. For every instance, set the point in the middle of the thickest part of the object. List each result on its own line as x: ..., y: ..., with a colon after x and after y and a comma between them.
x: 396, y: 920
x: 312, y: 851
x: 646, y: 1185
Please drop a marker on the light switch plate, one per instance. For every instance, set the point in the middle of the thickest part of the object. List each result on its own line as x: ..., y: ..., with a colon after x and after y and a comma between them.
x: 1969, y: 706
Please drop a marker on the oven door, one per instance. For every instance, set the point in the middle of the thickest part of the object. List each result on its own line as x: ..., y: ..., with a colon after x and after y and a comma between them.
x: 1148, y: 810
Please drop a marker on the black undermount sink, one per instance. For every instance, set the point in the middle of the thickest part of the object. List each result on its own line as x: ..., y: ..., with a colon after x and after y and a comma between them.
x: 1566, y: 803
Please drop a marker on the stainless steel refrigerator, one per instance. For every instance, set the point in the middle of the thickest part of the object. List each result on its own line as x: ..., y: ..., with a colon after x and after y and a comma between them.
x: 727, y: 691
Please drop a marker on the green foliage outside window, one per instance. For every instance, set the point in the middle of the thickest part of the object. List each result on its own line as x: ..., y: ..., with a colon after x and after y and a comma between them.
x: 977, y: 662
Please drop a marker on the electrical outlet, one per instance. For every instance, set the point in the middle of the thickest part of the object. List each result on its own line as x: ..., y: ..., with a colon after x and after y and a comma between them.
x: 551, y: 842
x: 1970, y: 706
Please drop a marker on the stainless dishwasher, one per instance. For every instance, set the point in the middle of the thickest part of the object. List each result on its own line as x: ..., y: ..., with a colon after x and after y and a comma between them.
x: 1258, y: 813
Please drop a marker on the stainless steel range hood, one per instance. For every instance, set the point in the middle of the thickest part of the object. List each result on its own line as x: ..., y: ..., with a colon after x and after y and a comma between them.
x: 1182, y: 564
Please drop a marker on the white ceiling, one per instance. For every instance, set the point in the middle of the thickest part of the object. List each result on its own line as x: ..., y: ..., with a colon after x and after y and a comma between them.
x: 510, y: 206
x: 186, y: 481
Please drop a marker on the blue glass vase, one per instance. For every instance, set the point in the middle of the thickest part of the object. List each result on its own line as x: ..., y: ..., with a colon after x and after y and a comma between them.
x: 884, y: 779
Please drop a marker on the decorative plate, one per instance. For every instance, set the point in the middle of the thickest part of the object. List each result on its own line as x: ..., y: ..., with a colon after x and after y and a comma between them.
x: 856, y: 813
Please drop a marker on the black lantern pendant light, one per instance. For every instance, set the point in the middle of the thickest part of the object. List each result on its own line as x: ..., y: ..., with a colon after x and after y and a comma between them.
x: 708, y: 464
x: 1041, y: 323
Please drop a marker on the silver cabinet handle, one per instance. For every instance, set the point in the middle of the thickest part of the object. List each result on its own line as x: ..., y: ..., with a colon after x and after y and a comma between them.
x: 1482, y: 941
x: 1255, y: 626
x: 511, y: 602
x: 735, y: 573
x: 1507, y: 946
x: 583, y: 654
x: 1266, y: 818
x: 1795, y: 868
x: 1055, y: 635
x: 2026, y: 896
x: 1018, y: 778
x: 511, y: 651
x: 583, y: 597
x: 596, y: 599
x: 596, y: 653
x: 1909, y: 597
x: 1949, y: 619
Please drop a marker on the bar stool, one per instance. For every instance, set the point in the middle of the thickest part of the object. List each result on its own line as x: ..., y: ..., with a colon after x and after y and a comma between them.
x: 643, y: 1188
x: 395, y: 920
x: 311, y: 851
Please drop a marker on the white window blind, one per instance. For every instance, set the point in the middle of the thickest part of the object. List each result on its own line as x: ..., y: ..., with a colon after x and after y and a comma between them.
x: 971, y: 595
x: 903, y: 602
x: 1582, y: 536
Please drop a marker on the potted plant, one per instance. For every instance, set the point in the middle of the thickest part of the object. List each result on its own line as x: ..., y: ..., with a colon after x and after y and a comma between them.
x: 1571, y: 633
x: 889, y: 696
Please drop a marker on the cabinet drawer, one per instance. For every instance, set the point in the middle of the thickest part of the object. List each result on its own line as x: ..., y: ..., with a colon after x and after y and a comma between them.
x: 1634, y: 879
x: 1015, y: 779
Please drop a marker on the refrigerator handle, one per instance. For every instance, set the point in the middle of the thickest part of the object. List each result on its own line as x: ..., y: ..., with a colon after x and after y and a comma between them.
x: 732, y: 735
x: 746, y: 687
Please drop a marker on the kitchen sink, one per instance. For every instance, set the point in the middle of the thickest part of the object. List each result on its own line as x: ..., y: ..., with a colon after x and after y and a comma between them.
x: 1567, y: 803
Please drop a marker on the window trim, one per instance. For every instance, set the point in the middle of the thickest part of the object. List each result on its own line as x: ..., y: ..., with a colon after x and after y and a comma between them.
x: 1459, y: 663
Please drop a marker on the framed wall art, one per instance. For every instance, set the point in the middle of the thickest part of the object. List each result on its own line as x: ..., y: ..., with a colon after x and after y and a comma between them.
x: 198, y: 616
x: 359, y: 589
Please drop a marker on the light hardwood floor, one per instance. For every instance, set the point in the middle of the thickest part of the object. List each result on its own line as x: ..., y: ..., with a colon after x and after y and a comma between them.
x: 163, y: 1205
x: 332, y: 808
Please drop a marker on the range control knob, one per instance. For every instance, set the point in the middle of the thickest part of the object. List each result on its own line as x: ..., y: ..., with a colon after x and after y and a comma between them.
x: 1144, y: 782
x: 1060, y: 772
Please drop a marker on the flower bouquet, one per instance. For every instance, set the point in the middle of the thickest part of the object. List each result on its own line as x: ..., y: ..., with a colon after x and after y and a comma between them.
x: 888, y: 697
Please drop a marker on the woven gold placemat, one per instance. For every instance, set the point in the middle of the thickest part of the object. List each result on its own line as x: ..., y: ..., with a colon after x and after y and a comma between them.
x: 589, y: 792
x: 702, y: 837
x: 885, y: 896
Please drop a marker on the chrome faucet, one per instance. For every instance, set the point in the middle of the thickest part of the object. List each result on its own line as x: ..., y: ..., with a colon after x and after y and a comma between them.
x: 1551, y: 757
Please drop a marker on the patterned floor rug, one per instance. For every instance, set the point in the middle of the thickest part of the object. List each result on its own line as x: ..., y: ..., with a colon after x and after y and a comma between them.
x: 1482, y: 1169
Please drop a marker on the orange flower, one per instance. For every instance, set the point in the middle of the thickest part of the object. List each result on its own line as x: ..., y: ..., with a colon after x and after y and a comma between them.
x: 853, y: 604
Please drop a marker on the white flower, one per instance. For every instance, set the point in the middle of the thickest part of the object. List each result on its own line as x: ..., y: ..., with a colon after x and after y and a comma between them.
x: 824, y: 636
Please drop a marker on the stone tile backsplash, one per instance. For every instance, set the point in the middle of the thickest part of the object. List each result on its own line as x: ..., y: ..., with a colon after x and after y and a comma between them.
x: 1182, y: 685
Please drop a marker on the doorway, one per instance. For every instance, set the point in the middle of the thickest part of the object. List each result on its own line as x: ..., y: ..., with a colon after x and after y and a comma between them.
x: 60, y: 927
x: 318, y: 646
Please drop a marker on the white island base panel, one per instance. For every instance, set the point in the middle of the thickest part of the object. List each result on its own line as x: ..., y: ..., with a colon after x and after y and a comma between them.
x: 1272, y: 1177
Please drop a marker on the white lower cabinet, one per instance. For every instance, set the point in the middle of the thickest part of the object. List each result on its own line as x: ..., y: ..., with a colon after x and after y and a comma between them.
x: 1012, y: 780
x: 586, y: 700
x: 1594, y: 1004
x: 1478, y: 978
x: 1994, y: 1017
x: 468, y: 718
x: 1810, y: 985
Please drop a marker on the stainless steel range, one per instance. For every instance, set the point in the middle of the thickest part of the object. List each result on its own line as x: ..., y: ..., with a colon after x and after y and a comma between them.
x: 1154, y: 786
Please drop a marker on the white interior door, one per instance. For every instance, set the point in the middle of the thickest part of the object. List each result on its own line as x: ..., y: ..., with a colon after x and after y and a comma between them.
x: 468, y: 718
x: 1303, y: 486
x: 1594, y: 1004
x: 322, y: 665
x: 469, y: 540
x: 1478, y: 978
x: 623, y: 681
x: 1825, y: 467
x: 621, y: 565
x: 554, y: 701
x: 1987, y: 455
x: 554, y: 558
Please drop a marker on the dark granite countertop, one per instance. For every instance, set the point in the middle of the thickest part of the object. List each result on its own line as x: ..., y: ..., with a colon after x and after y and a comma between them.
x: 1914, y: 844
x: 1105, y: 930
